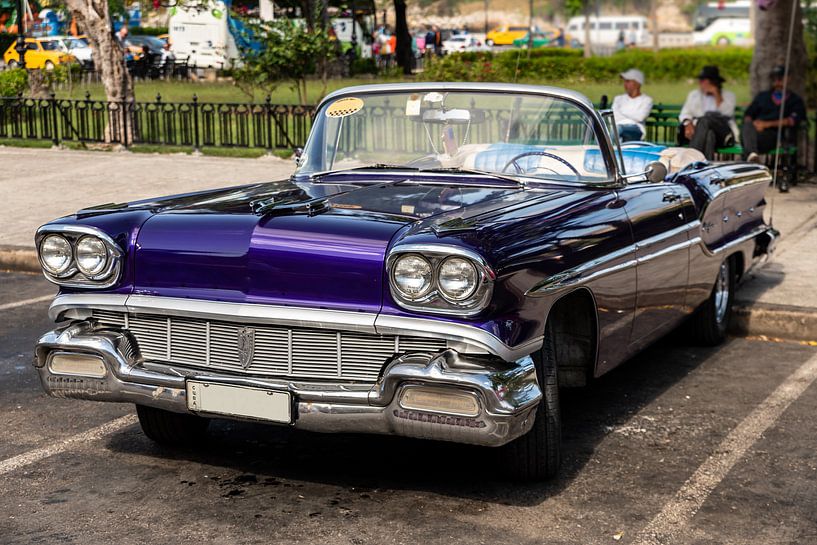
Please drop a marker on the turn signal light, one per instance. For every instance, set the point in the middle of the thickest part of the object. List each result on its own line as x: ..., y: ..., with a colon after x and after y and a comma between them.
x: 77, y: 365
x: 440, y: 401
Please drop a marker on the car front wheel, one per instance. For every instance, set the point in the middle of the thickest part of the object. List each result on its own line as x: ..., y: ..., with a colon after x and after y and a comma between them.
x: 12, y: 64
x: 710, y: 322
x: 537, y: 455
x: 168, y: 428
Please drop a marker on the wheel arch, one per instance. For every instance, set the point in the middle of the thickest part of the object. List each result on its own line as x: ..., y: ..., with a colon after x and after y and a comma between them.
x: 573, y: 321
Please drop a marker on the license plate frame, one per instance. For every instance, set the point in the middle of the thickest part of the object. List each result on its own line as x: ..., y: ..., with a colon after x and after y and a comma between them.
x: 239, y: 401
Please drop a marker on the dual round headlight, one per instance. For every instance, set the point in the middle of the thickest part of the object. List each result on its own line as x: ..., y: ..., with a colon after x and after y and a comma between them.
x: 58, y: 255
x: 456, y: 277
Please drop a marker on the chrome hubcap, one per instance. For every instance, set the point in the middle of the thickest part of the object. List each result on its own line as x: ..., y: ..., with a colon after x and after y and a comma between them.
x: 722, y: 293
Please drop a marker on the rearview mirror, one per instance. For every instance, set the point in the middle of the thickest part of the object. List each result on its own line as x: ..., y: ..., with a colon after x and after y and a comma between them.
x: 452, y: 117
x: 656, y: 172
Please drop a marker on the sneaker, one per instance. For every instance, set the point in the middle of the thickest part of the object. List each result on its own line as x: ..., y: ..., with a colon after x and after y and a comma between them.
x: 754, y: 158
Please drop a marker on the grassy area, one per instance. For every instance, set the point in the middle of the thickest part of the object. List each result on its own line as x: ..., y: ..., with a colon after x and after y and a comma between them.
x: 175, y: 91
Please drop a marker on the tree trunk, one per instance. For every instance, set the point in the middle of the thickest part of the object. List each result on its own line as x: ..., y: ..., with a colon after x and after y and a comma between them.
x: 404, y: 54
x: 588, y: 49
x: 771, y: 39
x: 109, y: 60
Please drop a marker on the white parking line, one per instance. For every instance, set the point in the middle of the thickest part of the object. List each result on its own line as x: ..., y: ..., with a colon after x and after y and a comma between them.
x: 25, y: 302
x: 674, y: 517
x: 30, y: 457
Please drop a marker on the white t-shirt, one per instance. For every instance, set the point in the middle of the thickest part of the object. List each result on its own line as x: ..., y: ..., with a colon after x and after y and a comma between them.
x: 629, y: 110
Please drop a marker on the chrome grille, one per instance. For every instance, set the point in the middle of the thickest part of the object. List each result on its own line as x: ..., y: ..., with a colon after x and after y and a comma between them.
x: 279, y: 351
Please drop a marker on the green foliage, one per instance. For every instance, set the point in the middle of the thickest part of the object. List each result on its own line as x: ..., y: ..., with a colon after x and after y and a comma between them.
x: 289, y: 52
x: 363, y: 66
x: 150, y: 30
x: 574, y: 7
x: 13, y: 82
x: 569, y: 66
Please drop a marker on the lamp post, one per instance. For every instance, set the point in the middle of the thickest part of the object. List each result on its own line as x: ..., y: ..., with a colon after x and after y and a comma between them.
x: 21, y: 35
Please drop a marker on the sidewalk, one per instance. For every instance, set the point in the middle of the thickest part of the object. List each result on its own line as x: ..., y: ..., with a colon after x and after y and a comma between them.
x: 779, y: 300
x: 39, y: 185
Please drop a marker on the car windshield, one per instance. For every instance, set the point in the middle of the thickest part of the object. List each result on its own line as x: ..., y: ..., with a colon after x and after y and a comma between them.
x: 76, y: 43
x: 150, y: 41
x: 509, y: 133
x: 51, y: 45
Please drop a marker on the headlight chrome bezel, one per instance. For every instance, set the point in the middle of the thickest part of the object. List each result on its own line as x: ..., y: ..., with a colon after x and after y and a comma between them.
x: 434, y: 300
x: 69, y: 269
x: 73, y: 277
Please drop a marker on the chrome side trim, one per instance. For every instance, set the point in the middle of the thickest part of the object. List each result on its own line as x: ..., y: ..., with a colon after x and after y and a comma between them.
x: 365, y: 322
x: 759, y: 230
x: 591, y: 270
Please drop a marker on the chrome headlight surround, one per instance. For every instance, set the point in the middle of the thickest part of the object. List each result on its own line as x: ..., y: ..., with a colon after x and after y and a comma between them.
x: 434, y: 300
x: 73, y: 277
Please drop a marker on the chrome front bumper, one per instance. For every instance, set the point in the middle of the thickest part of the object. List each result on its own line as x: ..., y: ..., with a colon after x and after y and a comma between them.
x: 507, y: 393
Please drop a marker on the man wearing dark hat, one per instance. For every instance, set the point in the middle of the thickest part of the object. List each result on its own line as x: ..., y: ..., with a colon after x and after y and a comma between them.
x: 708, y: 115
x: 763, y: 117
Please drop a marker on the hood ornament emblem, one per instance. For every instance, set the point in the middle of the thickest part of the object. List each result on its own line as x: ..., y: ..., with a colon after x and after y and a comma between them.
x: 246, y: 346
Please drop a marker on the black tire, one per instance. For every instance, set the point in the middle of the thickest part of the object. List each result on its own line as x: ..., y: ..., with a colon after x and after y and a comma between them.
x: 13, y: 64
x: 48, y: 65
x: 709, y: 324
x: 168, y: 428
x: 537, y: 455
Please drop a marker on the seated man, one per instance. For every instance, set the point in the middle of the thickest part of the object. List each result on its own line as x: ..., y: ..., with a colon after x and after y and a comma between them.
x: 708, y: 115
x: 763, y: 117
x: 631, y: 109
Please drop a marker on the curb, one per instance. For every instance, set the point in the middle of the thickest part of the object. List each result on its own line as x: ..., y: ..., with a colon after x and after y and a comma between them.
x: 19, y: 259
x: 770, y: 320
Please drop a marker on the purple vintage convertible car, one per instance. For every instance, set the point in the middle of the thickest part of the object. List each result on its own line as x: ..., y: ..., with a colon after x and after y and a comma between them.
x: 444, y: 259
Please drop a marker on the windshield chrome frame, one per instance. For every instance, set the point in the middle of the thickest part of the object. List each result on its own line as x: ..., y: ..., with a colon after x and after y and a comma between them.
x: 573, y: 97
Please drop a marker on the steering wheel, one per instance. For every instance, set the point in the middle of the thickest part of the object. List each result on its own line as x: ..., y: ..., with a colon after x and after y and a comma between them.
x: 519, y: 170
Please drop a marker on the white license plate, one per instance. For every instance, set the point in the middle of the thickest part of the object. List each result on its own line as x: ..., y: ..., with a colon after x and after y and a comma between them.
x: 242, y: 401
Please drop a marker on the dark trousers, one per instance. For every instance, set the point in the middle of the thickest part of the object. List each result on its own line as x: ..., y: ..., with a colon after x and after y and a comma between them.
x: 629, y: 133
x: 711, y: 132
x: 759, y: 142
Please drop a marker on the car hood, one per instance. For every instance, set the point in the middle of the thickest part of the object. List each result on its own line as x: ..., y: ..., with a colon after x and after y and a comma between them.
x: 296, y: 244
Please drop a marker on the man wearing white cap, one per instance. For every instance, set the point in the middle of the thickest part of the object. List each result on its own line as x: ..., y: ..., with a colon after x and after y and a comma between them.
x: 632, y: 109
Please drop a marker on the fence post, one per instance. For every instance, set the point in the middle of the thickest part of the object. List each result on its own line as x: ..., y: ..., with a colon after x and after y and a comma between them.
x: 269, y: 123
x: 196, y: 123
x: 124, y: 135
x: 55, y: 139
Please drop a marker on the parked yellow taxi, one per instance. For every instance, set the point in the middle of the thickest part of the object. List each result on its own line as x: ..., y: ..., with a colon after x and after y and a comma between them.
x: 505, y: 35
x: 45, y: 53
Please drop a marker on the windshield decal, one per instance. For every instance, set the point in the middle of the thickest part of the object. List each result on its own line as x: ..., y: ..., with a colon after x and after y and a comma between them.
x: 344, y: 107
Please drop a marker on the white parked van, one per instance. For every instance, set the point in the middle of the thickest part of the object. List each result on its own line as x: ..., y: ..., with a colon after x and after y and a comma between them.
x: 203, y: 36
x: 725, y: 31
x: 607, y: 29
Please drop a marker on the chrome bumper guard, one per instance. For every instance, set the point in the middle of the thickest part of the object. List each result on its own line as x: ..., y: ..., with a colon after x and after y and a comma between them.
x: 507, y: 393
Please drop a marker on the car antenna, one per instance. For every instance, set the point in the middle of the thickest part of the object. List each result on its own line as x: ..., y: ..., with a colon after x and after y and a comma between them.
x: 516, y: 72
x: 779, y: 140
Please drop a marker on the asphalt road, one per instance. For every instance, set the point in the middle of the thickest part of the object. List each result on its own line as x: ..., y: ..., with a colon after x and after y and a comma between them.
x: 681, y: 445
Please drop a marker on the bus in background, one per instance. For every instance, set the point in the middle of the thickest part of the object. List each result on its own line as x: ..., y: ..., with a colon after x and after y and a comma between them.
x: 725, y: 31
x: 605, y: 30
x: 707, y: 14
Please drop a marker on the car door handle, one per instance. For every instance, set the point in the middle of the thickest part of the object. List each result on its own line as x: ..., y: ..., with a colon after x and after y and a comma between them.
x: 671, y: 196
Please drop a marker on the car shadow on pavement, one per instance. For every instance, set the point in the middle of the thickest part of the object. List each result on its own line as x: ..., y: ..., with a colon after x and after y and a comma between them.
x: 261, y: 453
